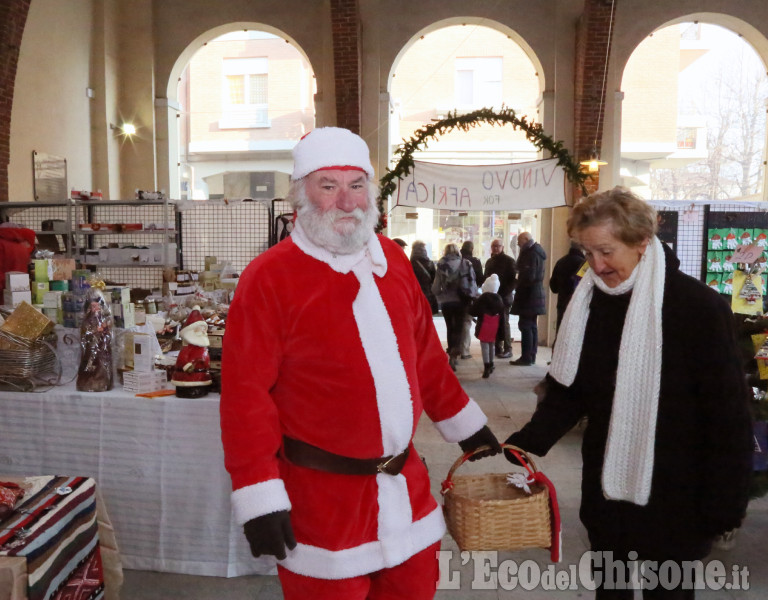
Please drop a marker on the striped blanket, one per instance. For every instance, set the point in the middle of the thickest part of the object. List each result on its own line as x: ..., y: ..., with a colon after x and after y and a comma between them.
x: 56, y: 531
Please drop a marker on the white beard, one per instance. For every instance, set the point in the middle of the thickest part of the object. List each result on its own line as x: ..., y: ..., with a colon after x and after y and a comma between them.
x: 196, y: 337
x: 342, y: 237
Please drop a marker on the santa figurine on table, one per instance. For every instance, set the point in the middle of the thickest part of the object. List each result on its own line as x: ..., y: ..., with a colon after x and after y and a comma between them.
x: 192, y: 373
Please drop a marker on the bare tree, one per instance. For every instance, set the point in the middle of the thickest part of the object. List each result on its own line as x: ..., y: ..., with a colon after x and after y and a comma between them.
x: 733, y: 102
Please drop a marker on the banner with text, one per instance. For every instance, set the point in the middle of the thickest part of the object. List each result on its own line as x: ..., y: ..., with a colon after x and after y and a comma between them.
x: 514, y: 186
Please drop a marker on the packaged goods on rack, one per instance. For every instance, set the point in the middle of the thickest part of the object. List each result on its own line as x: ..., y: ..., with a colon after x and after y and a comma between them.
x: 17, y: 289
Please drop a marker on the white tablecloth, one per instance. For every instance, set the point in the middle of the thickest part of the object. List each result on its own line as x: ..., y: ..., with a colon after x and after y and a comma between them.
x: 159, y: 465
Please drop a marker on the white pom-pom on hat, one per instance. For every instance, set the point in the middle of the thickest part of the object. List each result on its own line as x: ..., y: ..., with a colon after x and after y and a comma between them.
x: 330, y: 148
x: 491, y: 284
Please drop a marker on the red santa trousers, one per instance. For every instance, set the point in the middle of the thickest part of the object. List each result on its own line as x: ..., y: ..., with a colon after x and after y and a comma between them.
x: 415, y: 579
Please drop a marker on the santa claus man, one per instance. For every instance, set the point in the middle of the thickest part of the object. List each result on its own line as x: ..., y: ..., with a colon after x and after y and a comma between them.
x: 192, y: 374
x: 330, y: 356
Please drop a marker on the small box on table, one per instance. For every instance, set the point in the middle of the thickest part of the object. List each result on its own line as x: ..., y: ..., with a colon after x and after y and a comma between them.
x: 27, y: 322
x: 43, y: 270
x: 138, y: 352
x: 39, y: 290
x: 16, y: 281
x: 62, y: 268
x: 138, y: 382
x: 52, y: 299
x: 14, y: 299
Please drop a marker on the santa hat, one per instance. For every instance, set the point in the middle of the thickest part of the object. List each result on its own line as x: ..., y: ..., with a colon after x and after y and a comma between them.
x: 192, y: 318
x: 491, y: 284
x: 330, y: 148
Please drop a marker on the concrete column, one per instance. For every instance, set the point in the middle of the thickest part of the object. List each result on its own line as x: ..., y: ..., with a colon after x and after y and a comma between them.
x: 167, y: 143
x: 610, y: 174
x: 381, y: 152
x: 548, y: 231
x: 136, y: 97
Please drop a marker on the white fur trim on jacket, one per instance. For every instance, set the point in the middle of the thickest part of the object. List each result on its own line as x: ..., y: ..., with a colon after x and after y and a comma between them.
x: 321, y: 563
x: 259, y: 499
x: 467, y: 421
x: 393, y: 393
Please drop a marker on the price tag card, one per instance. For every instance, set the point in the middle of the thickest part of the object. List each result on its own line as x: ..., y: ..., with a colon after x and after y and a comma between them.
x: 746, y: 254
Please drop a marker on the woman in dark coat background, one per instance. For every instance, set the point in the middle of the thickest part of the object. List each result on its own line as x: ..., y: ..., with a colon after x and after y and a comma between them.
x: 564, y: 279
x: 424, y: 269
x: 649, y: 355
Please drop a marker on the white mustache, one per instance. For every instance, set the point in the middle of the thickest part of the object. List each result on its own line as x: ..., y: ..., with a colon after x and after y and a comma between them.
x: 336, y: 214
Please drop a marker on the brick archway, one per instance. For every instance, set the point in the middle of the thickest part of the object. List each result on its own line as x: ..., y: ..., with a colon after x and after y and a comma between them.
x: 13, y: 17
x: 593, y: 44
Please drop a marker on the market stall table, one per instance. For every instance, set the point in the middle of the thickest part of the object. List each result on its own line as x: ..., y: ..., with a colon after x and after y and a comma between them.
x: 159, y: 465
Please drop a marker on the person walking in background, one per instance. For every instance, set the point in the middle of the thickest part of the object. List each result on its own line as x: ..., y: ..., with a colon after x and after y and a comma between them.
x: 324, y: 379
x: 489, y: 309
x: 504, y: 267
x: 667, y: 449
x: 564, y: 278
x: 530, y: 300
x: 447, y: 287
x: 424, y: 269
x: 467, y: 248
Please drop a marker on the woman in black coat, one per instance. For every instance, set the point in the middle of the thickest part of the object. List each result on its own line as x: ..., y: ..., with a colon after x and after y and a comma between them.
x: 424, y: 269
x: 648, y: 355
x: 564, y: 279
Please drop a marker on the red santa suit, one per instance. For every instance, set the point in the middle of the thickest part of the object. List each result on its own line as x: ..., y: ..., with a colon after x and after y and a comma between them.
x: 338, y: 351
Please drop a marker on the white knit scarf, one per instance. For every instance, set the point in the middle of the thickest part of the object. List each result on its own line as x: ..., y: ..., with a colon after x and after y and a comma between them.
x: 629, y: 453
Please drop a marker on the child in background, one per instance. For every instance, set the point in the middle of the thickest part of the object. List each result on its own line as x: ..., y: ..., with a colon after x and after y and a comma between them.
x: 488, y: 308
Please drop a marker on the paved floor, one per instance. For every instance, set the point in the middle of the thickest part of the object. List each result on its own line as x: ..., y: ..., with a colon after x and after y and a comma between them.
x: 508, y: 399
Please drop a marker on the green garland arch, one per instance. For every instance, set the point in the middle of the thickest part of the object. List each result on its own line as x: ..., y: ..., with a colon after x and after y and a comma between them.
x: 534, y: 132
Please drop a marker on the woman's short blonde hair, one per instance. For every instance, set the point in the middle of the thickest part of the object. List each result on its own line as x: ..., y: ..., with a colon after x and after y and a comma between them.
x: 631, y: 218
x: 450, y: 249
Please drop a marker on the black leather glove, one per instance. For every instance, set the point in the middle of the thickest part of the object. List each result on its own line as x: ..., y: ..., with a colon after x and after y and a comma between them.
x: 508, y: 455
x: 483, y: 437
x: 270, y: 534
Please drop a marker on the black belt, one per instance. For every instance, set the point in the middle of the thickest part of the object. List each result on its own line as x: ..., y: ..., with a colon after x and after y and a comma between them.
x: 306, y: 455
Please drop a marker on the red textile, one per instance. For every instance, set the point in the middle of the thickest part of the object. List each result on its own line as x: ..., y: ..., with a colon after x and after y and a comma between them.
x: 10, y: 493
x: 84, y: 581
x: 488, y: 328
x: 16, y: 246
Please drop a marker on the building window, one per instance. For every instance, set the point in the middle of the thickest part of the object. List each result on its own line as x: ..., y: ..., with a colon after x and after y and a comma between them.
x: 690, y: 32
x: 478, y: 82
x: 686, y: 137
x: 245, y: 97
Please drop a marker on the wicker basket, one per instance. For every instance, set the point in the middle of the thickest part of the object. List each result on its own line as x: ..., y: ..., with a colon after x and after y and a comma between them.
x: 485, y: 512
x: 25, y: 364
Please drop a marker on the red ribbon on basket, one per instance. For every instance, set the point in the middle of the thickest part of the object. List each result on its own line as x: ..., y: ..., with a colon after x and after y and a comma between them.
x: 555, y: 550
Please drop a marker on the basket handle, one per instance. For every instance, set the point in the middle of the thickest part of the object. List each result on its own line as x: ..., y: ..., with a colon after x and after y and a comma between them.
x: 520, y: 454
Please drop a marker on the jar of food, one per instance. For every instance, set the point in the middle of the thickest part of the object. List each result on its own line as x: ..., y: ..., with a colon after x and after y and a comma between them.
x: 140, y: 313
x: 151, y: 306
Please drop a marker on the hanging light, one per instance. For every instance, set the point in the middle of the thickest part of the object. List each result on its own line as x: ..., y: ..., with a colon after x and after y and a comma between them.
x: 593, y: 163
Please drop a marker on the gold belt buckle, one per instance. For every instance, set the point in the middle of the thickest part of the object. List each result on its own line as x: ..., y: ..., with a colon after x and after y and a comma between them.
x: 382, y: 467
